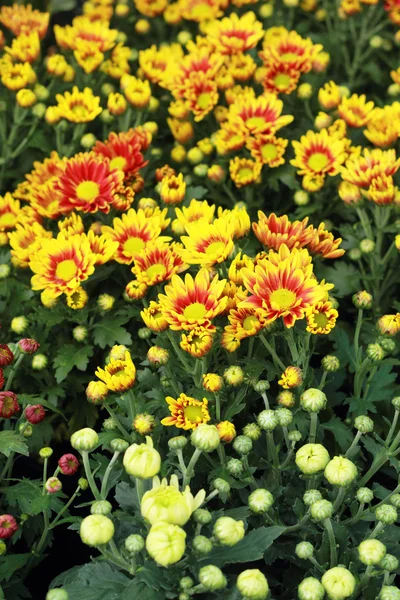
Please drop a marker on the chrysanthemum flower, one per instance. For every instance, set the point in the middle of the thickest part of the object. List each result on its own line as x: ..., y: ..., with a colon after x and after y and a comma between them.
x: 97, y: 33
x: 71, y: 225
x: 124, y: 150
x: 198, y: 342
x: 382, y: 190
x: 238, y: 218
x: 191, y: 303
x: 234, y: 34
x: 186, y: 412
x: 280, y: 78
x: 268, y: 149
x: 25, y: 241
x: 154, y: 62
x: 151, y: 8
x: 213, y: 382
x: 261, y: 115
x: 182, y: 131
x: 232, y: 136
x: 17, y: 76
x: 46, y: 199
x: 356, y: 111
x: 200, y: 10
x: 323, y: 243
x: 103, y: 248
x: 292, y: 377
x: 157, y: 263
x: 119, y: 375
x: 116, y: 104
x: 230, y: 339
x: 244, y: 171
x: 227, y: 431
x: 77, y: 299
x: 22, y: 19
x: 201, y: 94
x: 9, y: 210
x: 173, y: 189
x: 78, y: 107
x: 241, y: 261
x: 25, y: 48
x: 389, y: 324
x: 362, y: 170
x: 137, y: 91
x: 281, y: 286
x: 241, y: 66
x: 197, y: 209
x: 133, y: 232
x: 321, y: 318
x: 88, y: 183
x: 62, y: 264
x: 383, y: 128
x: 88, y: 56
x: 207, y: 243
x: 136, y: 290
x: 289, y: 47
x: 273, y: 231
x: 153, y: 318
x: 245, y: 321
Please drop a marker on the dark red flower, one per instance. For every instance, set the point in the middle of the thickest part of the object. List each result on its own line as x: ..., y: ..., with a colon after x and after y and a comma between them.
x: 6, y: 356
x: 68, y: 464
x: 8, y: 526
x: 1, y: 379
x: 35, y: 413
x: 28, y: 346
x: 8, y: 404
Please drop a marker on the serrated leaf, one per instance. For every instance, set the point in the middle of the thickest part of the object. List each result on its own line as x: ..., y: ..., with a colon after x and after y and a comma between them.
x: 341, y: 432
x: 110, y: 331
x: 345, y: 277
x: 197, y: 191
x: 12, y: 442
x: 70, y: 356
x: 125, y: 496
x: 11, y: 563
x: 94, y: 581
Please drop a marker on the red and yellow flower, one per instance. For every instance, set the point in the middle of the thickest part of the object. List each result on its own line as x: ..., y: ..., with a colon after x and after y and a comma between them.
x: 291, y: 377
x: 234, y: 34
x: 153, y: 317
x: 280, y: 78
x: 356, y: 111
x: 124, y: 150
x: 119, y: 375
x: 245, y: 322
x: 186, y: 412
x: 241, y: 261
x: 154, y: 62
x: 268, y: 150
x: 321, y: 318
x: 207, y: 244
x: 103, y: 248
x: 78, y: 107
x: 227, y: 431
x: 261, y: 115
x: 244, y: 171
x: 25, y: 48
x: 273, y: 231
x: 83, y: 29
x: 288, y: 47
x: 9, y: 212
x: 22, y: 19
x: 157, y: 263
x: 25, y: 241
x: 198, y: 342
x: 197, y: 209
x: 329, y: 96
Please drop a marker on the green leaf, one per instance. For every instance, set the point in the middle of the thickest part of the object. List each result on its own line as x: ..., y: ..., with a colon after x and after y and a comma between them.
x: 341, y: 432
x: 57, y: 6
x: 12, y: 442
x: 11, y: 563
x: 125, y: 496
x: 110, y: 331
x: 345, y: 277
x: 95, y: 581
x: 139, y: 590
x: 198, y: 192
x: 70, y: 356
x: 249, y: 549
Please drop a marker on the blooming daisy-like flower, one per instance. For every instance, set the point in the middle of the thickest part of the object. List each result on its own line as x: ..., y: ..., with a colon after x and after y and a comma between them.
x: 22, y: 19
x: 268, y: 149
x: 197, y: 209
x: 234, y: 294
x: 321, y: 318
x: 191, y: 303
x: 198, y: 342
x: 71, y: 225
x: 238, y: 218
x: 273, y: 231
x: 382, y: 190
x: 119, y: 375
x: 45, y: 171
x: 186, y: 412
x: 199, y: 60
x: 17, y: 76
x: 280, y: 78
x: 234, y: 34
x: 124, y: 151
x: 157, y: 263
x: 133, y: 231
x: 9, y: 210
x: 261, y: 115
x: 282, y: 286
x: 292, y: 377
x: 103, y: 248
x: 88, y: 184
x: 62, y: 264
x: 78, y: 107
x: 25, y: 241
x: 290, y: 48
x: 323, y: 243
x: 362, y: 170
x: 136, y: 91
x: 98, y: 34
x: 241, y: 66
x: 245, y: 321
x: 173, y: 189
x: 154, y: 62
x: 356, y: 111
x: 383, y: 128
x: 25, y: 48
x: 207, y: 244
x: 200, y: 95
x: 153, y: 317
x: 151, y: 8
x: 88, y: 56
x: 46, y: 199
x: 244, y: 171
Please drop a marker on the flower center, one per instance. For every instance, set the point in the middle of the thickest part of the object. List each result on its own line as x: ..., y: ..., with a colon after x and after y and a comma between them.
x: 133, y: 245
x: 204, y: 100
x: 193, y: 413
x: 215, y: 248
x: 155, y: 270
x: 66, y: 270
x: 321, y: 320
x: 289, y: 56
x: 119, y: 162
x: 282, y: 81
x: 269, y: 152
x: 245, y: 173
x: 87, y: 190
x: 194, y: 311
x: 282, y: 299
x: 318, y: 161
x: 255, y: 122
x: 79, y: 110
x: 8, y: 220
x: 249, y: 322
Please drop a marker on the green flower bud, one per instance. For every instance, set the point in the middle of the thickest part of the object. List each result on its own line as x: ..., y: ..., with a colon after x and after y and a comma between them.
x: 304, y: 550
x: 340, y: 471
x: 83, y: 483
x: 45, y: 452
x: 375, y: 352
x: 234, y: 466
x: 354, y: 254
x: 205, y: 438
x: 79, y: 333
x: 110, y: 424
x: 362, y: 299
x: 367, y: 246
x: 183, y: 596
x: 389, y: 592
x: 267, y: 420
x: 396, y: 402
x: 101, y: 507
x: 261, y: 386
x: 252, y: 430
x: 5, y: 269
x: 186, y: 583
x: 365, y: 495
x: 88, y: 141
x: 212, y: 578
x: 203, y: 516
x: 3, y: 548
x: 295, y: 436
x: 19, y: 324
x: 395, y: 500
x: 252, y: 585
x: 223, y: 486
x: 260, y: 501
x: 313, y: 400
x: 142, y: 460
x: 84, y: 440
x: 228, y: 531
x: 386, y: 514
x: 242, y: 445
x: 321, y: 510
x: 338, y: 583
x: 165, y: 381
x: 119, y: 445
x: 199, y: 170
x: 202, y: 545
x: 284, y: 416
x: 177, y: 443
x: 57, y: 594
x: 310, y: 589
x: 96, y: 530
x: 234, y: 375
x: 371, y: 552
x: 145, y: 333
x: 301, y: 198
x: 387, y: 344
x: 389, y: 563
x: 311, y: 496
x: 106, y: 116
x: 27, y: 430
x: 364, y: 424
x: 39, y: 362
x: 134, y: 543
x: 312, y: 458
x: 330, y: 363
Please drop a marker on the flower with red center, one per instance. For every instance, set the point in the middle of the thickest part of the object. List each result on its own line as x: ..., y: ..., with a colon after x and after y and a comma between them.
x: 273, y: 231
x: 88, y: 183
x: 362, y: 170
x: 8, y: 405
x: 6, y: 355
x: 186, y: 412
x: 261, y: 115
x: 234, y: 34
x: 153, y: 317
x: 198, y: 342
x: 227, y: 431
x: 201, y: 94
x: 71, y: 225
x: 118, y: 375
x: 268, y: 149
x: 62, y: 264
x: 232, y: 136
x: 356, y: 111
x: 8, y: 526
x: 292, y: 377
x: 28, y: 346
x: 68, y: 464
x: 383, y: 128
x: 192, y: 303
x: 88, y: 56
x: 244, y: 171
x: 282, y: 286
x: 241, y: 66
x: 245, y: 322
x: 321, y: 318
x: 207, y: 244
x: 323, y: 243
x: 199, y: 60
x: 83, y: 29
x: 22, y: 19
x: 157, y: 263
x: 35, y: 413
x: 280, y: 78
x: 382, y: 190
x: 289, y: 48
x: 123, y: 198
x: 78, y: 107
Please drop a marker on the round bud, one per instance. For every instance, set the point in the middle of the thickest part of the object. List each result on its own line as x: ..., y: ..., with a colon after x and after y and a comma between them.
x: 396, y: 402
x: 321, y: 510
x: 313, y: 400
x: 311, y: 496
x: 354, y: 253
x: 101, y: 507
x: 221, y: 484
x: 261, y: 386
x: 212, y: 578
x: 388, y: 345
x: 252, y: 430
x: 375, y: 352
x: 110, y: 424
x: 242, y: 445
x: 202, y: 516
x: 84, y: 440
x: 260, y: 501
x: 395, y: 500
x: 284, y: 416
x: 234, y: 375
x: 367, y: 246
x: 177, y: 443
x: 186, y: 583
x: 371, y: 552
x: 234, y: 466
x: 364, y: 495
x: 45, y: 452
x: 340, y: 471
x: 3, y: 548
x: 57, y: 594
x: 389, y: 563
x: 295, y: 436
x: 142, y: 460
x: 267, y: 420
x: 27, y: 430
x: 389, y: 592
x: 183, y: 596
x: 338, y: 583
x: 304, y: 550
x: 119, y: 445
x: 83, y: 483
x: 79, y: 333
x: 310, y: 589
x: 386, y: 513
x: 286, y: 398
x: 228, y: 531
x: 252, y: 585
x: 96, y: 530
x: 301, y: 198
x: 134, y: 543
x: 364, y: 424
x: 312, y: 458
x: 145, y: 333
x: 363, y: 300
x: 205, y: 438
x: 330, y: 363
x: 202, y: 545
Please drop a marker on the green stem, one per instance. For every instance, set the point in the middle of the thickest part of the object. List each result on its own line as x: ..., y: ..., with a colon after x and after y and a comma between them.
x: 65, y: 507
x: 356, y: 517
x: 332, y: 541
x: 89, y: 475
x: 357, y: 335
x: 313, y: 427
x: 217, y: 407
x: 190, y: 468
x: 292, y: 345
x: 376, y: 530
x: 181, y: 461
x: 373, y: 469
x: 121, y: 428
x: 323, y: 380
x: 107, y: 474
x: 354, y: 444
x: 179, y: 352
x: 272, y: 352
x: 14, y: 369
x: 139, y: 488
x: 339, y: 499
x: 45, y: 463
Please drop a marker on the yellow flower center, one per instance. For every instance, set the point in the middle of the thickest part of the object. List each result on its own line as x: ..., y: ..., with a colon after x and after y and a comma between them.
x: 282, y: 299
x: 321, y: 320
x: 282, y: 81
x: 249, y: 322
x: 289, y: 56
x: 204, y: 100
x: 269, y: 152
x: 133, y: 245
x: 215, y: 248
x: 66, y: 270
x: 245, y: 173
x: 156, y: 270
x: 194, y: 311
x: 87, y: 190
x: 193, y: 414
x: 318, y: 161
x: 7, y: 220
x: 79, y: 110
x: 254, y: 122
x: 202, y: 12
x: 119, y: 162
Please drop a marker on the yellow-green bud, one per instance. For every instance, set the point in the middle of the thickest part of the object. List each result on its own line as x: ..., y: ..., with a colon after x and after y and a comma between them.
x: 321, y: 510
x: 389, y: 592
x: 311, y: 496
x: 395, y: 500
x: 301, y: 198
x: 165, y: 543
x: 212, y: 578
x: 84, y: 440
x: 362, y: 299
x: 110, y: 424
x: 266, y: 10
x: 3, y: 548
x: 26, y: 430
x: 252, y: 430
x: 312, y: 458
x: 262, y: 385
x: 42, y: 93
x: 386, y: 513
x: 387, y: 344
x: 88, y: 141
x: 364, y: 495
x: 310, y: 589
x: 107, y: 89
x: 39, y: 362
x: 364, y: 424
x: 39, y: 110
x: 234, y: 466
x: 205, y: 438
x: 340, y: 471
x: 313, y: 400
x: 294, y: 436
x: 304, y: 550
x: 145, y: 333
x: 45, y: 452
x: 330, y: 363
x: 202, y: 516
x: 242, y: 445
x: 119, y: 445
x: 354, y: 254
x: 367, y: 246
x: 83, y: 483
x: 134, y: 543
x: 393, y: 89
x: 4, y: 270
x: 234, y: 375
x: 338, y: 583
x: 371, y: 552
x: 184, y: 37
x: 375, y: 352
x: 101, y: 507
x: 105, y: 302
x: 202, y: 545
x: 106, y: 116
x: 195, y: 156
x: 284, y: 416
x: 267, y: 420
x: 57, y: 594
x: 222, y: 485
x: 96, y: 530
x: 228, y: 531
x: 79, y: 333
x: 177, y: 443
x: 252, y: 585
x: 396, y: 402
x: 19, y: 324
x: 186, y: 583
x: 389, y: 563
x: 142, y: 460
x: 375, y: 41
x: 260, y: 501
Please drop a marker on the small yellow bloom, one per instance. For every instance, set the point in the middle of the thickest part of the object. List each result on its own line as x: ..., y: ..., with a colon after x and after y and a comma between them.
x: 26, y: 98
x: 118, y: 375
x: 186, y: 412
x: 226, y: 430
x: 212, y: 382
x: 292, y: 377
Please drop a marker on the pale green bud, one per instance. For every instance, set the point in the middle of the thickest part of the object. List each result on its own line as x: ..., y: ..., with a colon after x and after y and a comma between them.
x: 110, y: 424
x: 205, y: 438
x: 84, y: 440
x: 101, y: 507
x: 134, y: 543
x: 39, y: 362
x: 57, y: 594
x: 371, y: 552
x: 304, y: 550
x: 395, y: 500
x: 261, y: 386
x: 234, y: 466
x: 340, y: 471
x: 212, y: 578
x: 186, y: 583
x: 295, y: 436
x: 311, y: 496
x: 45, y: 452
x: 375, y: 352
x: 312, y: 458
x: 83, y: 483
x: 313, y: 400
x: 252, y: 430
x: 338, y: 583
x: 202, y: 545
x: 260, y: 501
x: 389, y: 563
x: 267, y: 420
x: 301, y: 198
x: 365, y: 495
x: 386, y: 513
x: 252, y: 585
x: 321, y: 510
x: 228, y: 531
x: 367, y: 246
x: 310, y: 589
x: 396, y: 402
x: 389, y: 592
x: 19, y: 324
x: 223, y: 486
x: 79, y: 333
x: 96, y: 530
x: 177, y: 443
x: 202, y: 516
x: 364, y: 424
x: 119, y: 445
x: 242, y: 444
x: 284, y: 416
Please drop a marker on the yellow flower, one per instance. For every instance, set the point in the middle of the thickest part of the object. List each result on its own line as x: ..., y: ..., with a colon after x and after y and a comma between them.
x: 77, y: 299
x: 198, y: 342
x: 186, y: 412
x: 165, y: 543
x: 118, y: 375
x: 244, y: 171
x: 235, y: 269
x: 153, y: 317
x: 212, y: 382
x: 207, y: 243
x: 17, y: 76
x: 165, y: 502
x: 197, y: 209
x: 25, y: 98
x: 78, y: 107
x: 143, y: 423
x: 25, y: 241
x: 137, y: 92
x: 292, y: 377
x: 96, y: 391
x: 116, y: 104
x: 321, y: 318
x: 226, y: 430
x: 173, y: 189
